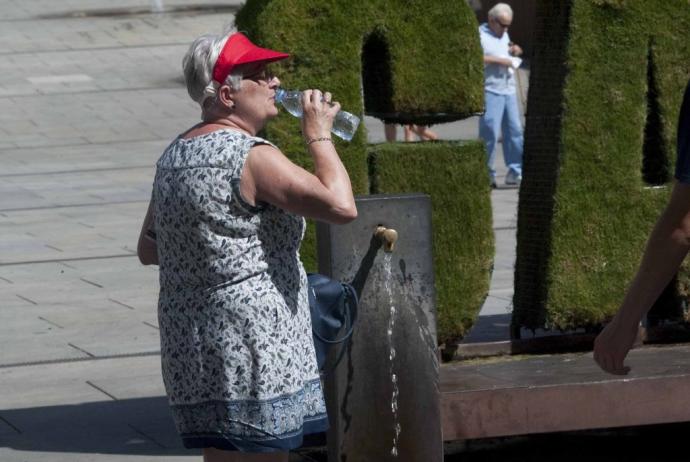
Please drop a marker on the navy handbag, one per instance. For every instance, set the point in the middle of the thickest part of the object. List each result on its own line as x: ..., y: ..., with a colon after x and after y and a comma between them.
x: 333, y: 307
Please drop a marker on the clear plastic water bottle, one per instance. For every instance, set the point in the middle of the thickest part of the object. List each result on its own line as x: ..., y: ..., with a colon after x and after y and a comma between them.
x: 345, y: 124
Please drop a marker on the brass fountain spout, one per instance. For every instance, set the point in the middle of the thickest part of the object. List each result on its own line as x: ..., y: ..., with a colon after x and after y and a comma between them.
x: 388, y: 237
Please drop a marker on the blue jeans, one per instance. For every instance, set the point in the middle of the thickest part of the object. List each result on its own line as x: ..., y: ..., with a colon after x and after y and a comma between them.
x: 502, y: 114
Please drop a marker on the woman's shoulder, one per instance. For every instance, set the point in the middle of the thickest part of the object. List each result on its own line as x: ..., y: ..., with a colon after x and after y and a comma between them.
x: 258, y: 141
x: 216, y: 148
x: 227, y: 137
x: 213, y: 148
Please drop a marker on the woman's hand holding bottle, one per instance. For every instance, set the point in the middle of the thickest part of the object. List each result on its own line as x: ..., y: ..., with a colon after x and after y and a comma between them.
x: 318, y: 114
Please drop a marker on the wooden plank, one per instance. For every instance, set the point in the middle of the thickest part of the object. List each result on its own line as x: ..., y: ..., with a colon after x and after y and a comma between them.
x: 518, y: 396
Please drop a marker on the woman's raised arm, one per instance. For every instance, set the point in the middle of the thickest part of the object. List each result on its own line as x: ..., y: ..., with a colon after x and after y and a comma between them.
x: 326, y: 194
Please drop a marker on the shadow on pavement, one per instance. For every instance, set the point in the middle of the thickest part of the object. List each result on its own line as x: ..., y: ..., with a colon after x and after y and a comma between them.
x: 141, y: 426
x: 490, y: 328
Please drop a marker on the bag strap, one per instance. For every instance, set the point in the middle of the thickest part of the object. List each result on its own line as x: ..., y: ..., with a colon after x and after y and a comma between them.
x: 351, y: 315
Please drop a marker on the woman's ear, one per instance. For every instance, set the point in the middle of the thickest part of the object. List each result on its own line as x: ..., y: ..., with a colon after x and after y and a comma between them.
x: 226, y: 96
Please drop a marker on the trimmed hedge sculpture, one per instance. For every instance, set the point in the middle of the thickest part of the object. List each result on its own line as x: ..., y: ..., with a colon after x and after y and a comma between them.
x: 401, y: 61
x: 454, y: 175
x: 607, y: 82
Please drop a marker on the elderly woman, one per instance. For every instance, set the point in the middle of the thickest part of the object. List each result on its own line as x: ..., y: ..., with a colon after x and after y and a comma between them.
x: 225, y: 224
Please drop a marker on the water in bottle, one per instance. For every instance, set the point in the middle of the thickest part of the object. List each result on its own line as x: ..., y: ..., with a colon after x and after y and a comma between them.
x: 345, y: 124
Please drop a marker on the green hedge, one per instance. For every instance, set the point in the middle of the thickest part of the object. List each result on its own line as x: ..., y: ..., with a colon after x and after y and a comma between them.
x: 421, y: 58
x: 401, y: 61
x: 606, y: 86
x: 454, y: 175
x: 423, y: 64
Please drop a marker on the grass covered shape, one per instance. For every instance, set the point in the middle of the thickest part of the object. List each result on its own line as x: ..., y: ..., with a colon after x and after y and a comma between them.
x: 411, y: 61
x: 607, y: 83
x: 454, y: 175
x: 418, y: 61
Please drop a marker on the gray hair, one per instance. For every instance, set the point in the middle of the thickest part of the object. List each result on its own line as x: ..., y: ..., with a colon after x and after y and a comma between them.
x: 501, y: 9
x: 198, y: 64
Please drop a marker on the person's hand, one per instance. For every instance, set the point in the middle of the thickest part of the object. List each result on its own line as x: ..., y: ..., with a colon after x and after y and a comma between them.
x: 612, y: 346
x: 319, y: 113
x: 515, y: 50
x: 506, y: 62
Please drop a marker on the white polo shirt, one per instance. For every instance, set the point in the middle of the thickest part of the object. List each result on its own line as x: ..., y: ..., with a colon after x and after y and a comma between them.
x: 497, y: 79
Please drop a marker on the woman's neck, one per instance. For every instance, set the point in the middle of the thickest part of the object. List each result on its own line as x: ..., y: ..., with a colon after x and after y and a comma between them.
x: 209, y: 126
x: 223, y: 122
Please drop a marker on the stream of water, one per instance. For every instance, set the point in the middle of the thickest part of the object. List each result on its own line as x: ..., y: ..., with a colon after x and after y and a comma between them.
x: 388, y: 280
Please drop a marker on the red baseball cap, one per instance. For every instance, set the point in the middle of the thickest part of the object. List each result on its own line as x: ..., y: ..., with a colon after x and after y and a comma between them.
x: 239, y: 50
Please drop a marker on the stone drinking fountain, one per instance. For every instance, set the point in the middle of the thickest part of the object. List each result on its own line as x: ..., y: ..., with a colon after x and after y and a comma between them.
x: 383, y: 399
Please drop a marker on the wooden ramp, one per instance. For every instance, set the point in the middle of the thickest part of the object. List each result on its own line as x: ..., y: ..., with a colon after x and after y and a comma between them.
x: 539, y: 394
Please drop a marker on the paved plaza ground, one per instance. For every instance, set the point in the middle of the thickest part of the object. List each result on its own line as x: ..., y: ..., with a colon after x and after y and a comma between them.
x: 87, y: 104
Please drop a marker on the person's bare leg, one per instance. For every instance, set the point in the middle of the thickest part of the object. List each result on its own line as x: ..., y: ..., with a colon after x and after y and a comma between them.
x: 429, y: 134
x: 409, y: 133
x: 391, y: 132
x: 424, y: 133
x: 216, y: 455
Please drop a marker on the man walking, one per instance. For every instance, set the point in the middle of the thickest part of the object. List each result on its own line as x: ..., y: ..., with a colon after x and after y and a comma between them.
x: 501, y: 113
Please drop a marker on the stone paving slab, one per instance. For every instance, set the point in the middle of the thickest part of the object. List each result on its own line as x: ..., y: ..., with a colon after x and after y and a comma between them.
x: 504, y: 200
x: 84, y: 308
x: 505, y: 249
x: 36, y: 35
x: 20, y: 331
x: 92, y: 70
x: 69, y: 189
x: 95, y: 410
x: 22, y: 9
x: 55, y: 159
x: 95, y: 415
x: 47, y: 385
x: 136, y: 115
x: 78, y: 232
x: 81, y: 283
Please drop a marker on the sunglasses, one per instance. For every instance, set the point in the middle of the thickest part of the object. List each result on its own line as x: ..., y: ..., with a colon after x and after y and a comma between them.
x: 263, y: 75
x: 504, y: 26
